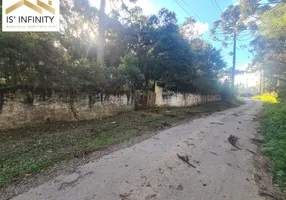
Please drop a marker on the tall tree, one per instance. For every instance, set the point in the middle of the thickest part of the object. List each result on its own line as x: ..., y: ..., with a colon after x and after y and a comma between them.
x: 227, y: 30
x: 274, y: 21
x: 268, y: 47
x: 256, y: 8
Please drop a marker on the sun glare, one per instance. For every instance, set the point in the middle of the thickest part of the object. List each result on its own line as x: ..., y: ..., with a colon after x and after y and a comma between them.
x: 94, y: 3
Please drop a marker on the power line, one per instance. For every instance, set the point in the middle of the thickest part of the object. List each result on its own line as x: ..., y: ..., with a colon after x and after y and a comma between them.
x: 218, y: 6
x: 184, y: 2
x: 182, y: 7
x: 215, y: 7
x: 188, y: 11
x: 245, y: 39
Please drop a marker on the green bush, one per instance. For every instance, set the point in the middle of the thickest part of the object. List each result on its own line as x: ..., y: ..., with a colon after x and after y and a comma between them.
x: 226, y: 92
x: 274, y: 130
x: 282, y: 93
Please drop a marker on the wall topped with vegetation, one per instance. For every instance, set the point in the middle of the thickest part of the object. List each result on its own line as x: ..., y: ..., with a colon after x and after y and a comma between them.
x: 172, y: 99
x: 17, y: 112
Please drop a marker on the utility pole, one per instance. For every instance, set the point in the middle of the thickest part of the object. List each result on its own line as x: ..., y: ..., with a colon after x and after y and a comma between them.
x: 233, y: 61
x: 101, y: 33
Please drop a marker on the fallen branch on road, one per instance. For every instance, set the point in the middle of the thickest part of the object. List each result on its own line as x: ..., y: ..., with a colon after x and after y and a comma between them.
x: 186, y: 160
x: 250, y: 151
x: 220, y: 123
x: 256, y: 140
x: 263, y: 192
x: 233, y: 140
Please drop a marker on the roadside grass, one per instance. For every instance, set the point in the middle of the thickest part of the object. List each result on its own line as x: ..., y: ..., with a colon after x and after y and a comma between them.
x: 274, y: 130
x: 27, y: 151
x: 267, y: 97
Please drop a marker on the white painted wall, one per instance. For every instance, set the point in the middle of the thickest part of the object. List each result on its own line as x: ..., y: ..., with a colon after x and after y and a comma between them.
x: 16, y: 114
x: 181, y: 100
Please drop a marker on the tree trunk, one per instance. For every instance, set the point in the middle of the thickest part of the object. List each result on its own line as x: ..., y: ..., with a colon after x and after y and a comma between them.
x: 88, y: 49
x: 101, y: 33
x: 234, y: 61
x: 1, y: 101
x: 261, y: 81
x: 12, y: 62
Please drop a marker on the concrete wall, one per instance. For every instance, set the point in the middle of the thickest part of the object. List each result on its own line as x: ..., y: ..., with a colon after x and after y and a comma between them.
x: 17, y: 114
x: 168, y: 98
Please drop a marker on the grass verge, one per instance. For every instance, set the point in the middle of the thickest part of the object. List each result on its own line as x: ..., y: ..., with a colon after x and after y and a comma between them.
x: 27, y: 151
x: 274, y: 130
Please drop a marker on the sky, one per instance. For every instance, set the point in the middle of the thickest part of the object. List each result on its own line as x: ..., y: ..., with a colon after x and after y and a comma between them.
x: 204, y: 11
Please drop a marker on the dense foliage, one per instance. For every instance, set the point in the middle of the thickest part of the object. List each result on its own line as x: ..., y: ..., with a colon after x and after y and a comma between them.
x: 274, y: 129
x: 268, y: 46
x: 138, y: 50
x: 269, y: 50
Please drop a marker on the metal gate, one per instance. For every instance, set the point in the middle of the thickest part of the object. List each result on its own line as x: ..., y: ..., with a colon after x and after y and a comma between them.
x: 144, y: 100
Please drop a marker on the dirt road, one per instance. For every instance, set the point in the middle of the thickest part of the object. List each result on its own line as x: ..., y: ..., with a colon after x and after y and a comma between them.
x: 152, y: 170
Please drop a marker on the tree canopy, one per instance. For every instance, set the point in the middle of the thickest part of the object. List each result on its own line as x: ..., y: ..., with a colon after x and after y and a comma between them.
x: 138, y: 51
x: 227, y: 30
x: 268, y: 46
